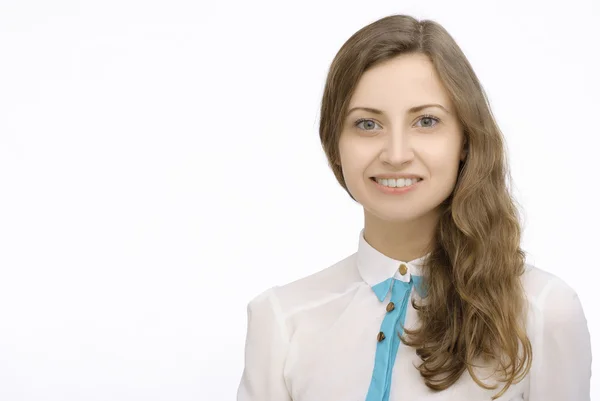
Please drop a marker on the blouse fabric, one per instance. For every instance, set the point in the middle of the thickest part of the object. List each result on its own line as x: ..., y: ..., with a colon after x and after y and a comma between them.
x: 334, y: 336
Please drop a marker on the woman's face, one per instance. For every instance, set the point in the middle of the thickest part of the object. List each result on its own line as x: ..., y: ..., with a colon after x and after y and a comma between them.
x: 395, y: 139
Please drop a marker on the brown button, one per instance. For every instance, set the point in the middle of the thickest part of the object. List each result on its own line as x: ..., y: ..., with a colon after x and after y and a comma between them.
x: 403, y: 269
x: 390, y: 307
x: 380, y: 336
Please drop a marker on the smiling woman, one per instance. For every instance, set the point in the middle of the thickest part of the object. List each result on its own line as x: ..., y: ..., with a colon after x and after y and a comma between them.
x: 437, y: 303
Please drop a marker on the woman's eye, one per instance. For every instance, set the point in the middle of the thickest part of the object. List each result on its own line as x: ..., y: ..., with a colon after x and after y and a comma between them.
x: 369, y: 125
x: 429, y: 121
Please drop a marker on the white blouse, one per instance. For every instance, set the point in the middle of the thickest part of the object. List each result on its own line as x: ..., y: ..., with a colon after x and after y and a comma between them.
x: 332, y: 336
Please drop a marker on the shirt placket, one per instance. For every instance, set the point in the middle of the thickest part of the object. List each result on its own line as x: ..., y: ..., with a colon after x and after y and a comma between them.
x: 388, y: 341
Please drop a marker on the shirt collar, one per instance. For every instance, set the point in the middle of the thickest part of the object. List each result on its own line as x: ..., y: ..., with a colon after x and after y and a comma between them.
x: 376, y: 268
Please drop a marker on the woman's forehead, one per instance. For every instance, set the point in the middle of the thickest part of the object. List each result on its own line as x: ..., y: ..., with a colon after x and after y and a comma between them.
x: 400, y: 84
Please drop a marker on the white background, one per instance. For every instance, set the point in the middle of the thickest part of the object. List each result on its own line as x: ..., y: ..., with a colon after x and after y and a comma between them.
x: 160, y: 166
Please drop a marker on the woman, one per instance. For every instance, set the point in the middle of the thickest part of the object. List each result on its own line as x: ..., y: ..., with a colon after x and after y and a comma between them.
x: 438, y: 302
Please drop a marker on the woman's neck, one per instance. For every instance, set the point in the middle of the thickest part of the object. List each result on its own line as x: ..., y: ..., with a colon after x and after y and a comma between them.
x: 403, y: 241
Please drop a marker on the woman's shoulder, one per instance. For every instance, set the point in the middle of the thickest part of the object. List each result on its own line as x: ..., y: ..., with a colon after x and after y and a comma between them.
x: 537, y: 282
x: 550, y: 296
x: 314, y: 289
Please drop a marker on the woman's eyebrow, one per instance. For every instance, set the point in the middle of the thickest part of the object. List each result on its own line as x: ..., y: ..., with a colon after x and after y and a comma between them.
x: 414, y: 109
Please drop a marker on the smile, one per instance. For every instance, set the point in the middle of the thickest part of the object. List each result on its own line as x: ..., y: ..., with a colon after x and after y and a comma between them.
x: 397, y: 183
x: 396, y: 186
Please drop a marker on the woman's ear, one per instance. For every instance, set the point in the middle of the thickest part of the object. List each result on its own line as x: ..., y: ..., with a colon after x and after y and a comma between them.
x: 337, y: 160
x: 465, y: 150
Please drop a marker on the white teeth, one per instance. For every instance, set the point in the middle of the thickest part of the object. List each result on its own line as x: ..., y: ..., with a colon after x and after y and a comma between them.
x: 397, y: 183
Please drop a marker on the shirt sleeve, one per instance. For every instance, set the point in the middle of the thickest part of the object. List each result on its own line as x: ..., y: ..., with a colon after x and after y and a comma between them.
x: 265, y: 352
x: 562, y: 355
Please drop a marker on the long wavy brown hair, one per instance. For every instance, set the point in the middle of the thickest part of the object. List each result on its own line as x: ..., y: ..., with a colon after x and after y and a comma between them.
x: 475, y: 306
